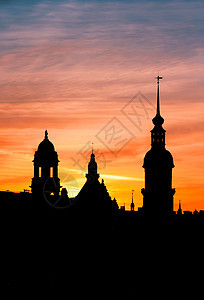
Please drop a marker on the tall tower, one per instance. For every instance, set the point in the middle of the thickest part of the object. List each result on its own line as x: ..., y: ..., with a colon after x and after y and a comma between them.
x: 45, y: 181
x: 158, y: 164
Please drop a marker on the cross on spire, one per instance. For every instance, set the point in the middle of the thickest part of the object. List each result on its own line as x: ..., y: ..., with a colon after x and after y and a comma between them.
x: 158, y: 78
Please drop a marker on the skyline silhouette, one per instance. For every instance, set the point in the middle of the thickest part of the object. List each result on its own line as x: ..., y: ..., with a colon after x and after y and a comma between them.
x: 93, y: 197
x: 77, y: 101
x: 72, y: 68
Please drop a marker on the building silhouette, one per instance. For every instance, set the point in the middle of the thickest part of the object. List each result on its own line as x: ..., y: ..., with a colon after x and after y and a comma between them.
x: 158, y: 165
x: 93, y: 197
x: 45, y: 183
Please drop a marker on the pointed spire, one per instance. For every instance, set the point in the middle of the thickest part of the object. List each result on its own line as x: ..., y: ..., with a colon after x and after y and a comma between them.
x: 158, y: 120
x: 132, y: 196
x: 46, y: 135
x: 179, y: 212
x: 132, y: 206
x: 158, y: 104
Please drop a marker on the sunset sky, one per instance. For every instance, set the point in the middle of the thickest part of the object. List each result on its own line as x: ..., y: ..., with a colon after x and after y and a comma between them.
x: 84, y: 69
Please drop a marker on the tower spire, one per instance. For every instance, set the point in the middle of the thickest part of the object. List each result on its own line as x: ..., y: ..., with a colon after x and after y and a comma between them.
x: 158, y: 104
x: 158, y: 120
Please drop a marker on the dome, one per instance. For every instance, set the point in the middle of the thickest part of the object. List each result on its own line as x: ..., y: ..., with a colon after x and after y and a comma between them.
x: 46, y: 146
x: 46, y: 149
x: 158, y: 157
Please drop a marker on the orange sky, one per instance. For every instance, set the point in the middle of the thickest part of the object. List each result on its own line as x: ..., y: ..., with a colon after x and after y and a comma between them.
x: 71, y: 69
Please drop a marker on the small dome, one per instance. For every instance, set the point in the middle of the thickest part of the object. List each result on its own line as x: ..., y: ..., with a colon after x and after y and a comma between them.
x: 46, y: 150
x: 46, y: 146
x: 158, y: 157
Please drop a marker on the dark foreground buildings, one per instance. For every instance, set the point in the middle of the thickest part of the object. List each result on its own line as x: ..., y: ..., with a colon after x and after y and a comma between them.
x: 51, y: 240
x: 47, y: 195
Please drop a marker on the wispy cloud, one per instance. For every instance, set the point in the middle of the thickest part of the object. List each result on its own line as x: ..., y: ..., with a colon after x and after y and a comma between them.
x: 107, y: 176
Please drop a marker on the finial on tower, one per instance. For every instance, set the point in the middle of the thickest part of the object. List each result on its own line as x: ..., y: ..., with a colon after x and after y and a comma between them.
x: 92, y: 154
x: 46, y: 135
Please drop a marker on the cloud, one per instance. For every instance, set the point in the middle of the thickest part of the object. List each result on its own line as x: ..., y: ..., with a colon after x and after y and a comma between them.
x: 107, y: 176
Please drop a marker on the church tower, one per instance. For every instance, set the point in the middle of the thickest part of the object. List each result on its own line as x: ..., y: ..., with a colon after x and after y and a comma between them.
x: 92, y: 176
x: 45, y: 182
x: 158, y: 164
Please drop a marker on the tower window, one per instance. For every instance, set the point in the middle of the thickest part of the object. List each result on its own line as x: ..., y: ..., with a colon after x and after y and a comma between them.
x: 51, y: 172
x: 40, y: 172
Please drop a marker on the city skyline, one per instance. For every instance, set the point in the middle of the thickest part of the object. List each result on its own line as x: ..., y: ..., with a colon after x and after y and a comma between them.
x: 73, y: 80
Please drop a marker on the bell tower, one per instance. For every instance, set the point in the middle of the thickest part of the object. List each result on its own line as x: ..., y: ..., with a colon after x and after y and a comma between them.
x: 158, y: 165
x: 45, y: 181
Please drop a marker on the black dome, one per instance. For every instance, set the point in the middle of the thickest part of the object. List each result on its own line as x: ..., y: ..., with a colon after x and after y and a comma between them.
x: 46, y: 150
x: 158, y: 157
x: 46, y: 146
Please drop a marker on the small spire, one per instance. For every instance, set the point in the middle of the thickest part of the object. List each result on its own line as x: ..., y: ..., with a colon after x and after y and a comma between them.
x: 179, y: 212
x: 132, y: 206
x: 46, y: 135
x: 92, y: 154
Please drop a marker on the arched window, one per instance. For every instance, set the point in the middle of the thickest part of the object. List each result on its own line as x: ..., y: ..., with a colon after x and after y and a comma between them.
x: 51, y: 172
x: 40, y: 172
